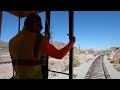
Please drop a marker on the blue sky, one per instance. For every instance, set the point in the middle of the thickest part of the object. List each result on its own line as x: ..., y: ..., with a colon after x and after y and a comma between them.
x: 93, y: 29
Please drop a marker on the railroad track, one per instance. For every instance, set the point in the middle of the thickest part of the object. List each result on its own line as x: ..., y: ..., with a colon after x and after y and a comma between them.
x: 5, y: 60
x: 98, y: 70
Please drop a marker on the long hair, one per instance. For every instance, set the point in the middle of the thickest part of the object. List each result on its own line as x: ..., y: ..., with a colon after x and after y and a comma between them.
x: 31, y: 19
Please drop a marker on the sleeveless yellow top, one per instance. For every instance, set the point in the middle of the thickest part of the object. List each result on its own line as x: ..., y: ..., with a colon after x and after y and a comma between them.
x: 21, y: 48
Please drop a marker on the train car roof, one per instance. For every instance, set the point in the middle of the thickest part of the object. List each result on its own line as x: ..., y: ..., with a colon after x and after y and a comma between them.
x: 23, y: 13
x: 19, y: 14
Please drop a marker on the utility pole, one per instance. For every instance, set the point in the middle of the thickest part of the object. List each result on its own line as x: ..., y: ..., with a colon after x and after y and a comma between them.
x: 79, y: 48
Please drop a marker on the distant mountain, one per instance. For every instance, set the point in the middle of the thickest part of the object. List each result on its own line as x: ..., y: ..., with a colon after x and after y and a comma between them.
x: 3, y: 48
x: 3, y: 44
x: 58, y: 45
x: 114, y: 52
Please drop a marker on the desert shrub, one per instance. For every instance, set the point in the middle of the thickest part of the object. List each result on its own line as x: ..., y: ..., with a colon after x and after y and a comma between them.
x: 66, y: 67
x: 107, y: 54
x: 112, y: 61
x: 74, y: 75
x: 51, y: 63
x: 108, y: 58
x: 76, y: 62
x: 117, y: 67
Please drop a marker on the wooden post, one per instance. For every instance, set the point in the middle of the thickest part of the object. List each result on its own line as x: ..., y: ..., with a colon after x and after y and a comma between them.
x: 71, y: 31
x: 0, y: 22
x: 47, y: 34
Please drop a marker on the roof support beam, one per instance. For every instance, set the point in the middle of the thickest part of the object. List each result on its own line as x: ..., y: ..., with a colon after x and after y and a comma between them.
x: 0, y: 22
x: 18, y: 24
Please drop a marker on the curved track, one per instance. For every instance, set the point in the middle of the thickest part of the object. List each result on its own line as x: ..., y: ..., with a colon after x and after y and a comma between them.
x: 98, y: 70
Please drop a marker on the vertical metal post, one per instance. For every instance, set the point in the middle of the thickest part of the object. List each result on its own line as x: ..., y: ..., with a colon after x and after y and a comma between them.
x: 47, y: 34
x: 19, y: 25
x: 0, y: 22
x: 71, y: 30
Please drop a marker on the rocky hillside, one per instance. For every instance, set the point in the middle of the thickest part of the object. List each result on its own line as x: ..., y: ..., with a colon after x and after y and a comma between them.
x: 113, y: 54
x: 3, y: 47
x: 3, y: 44
x: 58, y: 45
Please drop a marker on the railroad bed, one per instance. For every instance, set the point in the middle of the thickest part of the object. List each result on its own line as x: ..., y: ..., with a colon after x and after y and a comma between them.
x: 98, y: 70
